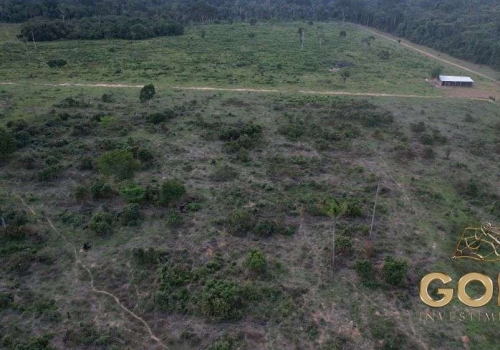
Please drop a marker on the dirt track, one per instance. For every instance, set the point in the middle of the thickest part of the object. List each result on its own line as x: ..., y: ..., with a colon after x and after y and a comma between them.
x: 207, y: 88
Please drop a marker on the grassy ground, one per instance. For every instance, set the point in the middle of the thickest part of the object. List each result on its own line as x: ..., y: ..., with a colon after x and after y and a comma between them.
x: 241, y: 259
x: 239, y: 55
x: 310, y: 149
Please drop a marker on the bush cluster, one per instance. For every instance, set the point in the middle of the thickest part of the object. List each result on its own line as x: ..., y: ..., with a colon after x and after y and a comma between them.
x: 119, y: 163
x: 101, y: 223
x: 171, y: 191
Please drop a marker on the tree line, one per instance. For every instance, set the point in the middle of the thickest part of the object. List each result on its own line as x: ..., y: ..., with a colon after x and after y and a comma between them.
x: 467, y: 29
x: 92, y: 28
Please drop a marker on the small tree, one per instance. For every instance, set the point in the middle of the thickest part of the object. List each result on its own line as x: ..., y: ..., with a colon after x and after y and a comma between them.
x: 147, y: 93
x: 345, y: 74
x: 343, y: 34
x: 253, y: 21
x: 302, y: 34
x: 436, y: 72
x: 335, y: 210
x: 7, y: 143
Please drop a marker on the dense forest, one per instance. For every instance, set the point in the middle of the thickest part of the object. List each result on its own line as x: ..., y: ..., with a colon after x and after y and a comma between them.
x: 467, y: 29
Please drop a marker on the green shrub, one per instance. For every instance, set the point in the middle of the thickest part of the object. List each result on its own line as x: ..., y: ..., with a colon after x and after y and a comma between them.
x: 149, y: 256
x: 224, y: 173
x: 240, y: 222
x: 343, y: 245
x: 171, y: 191
x: 119, y: 163
x: 256, y: 261
x: 6, y: 299
x: 354, y: 208
x: 395, y: 271
x: 157, y: 118
x: 86, y: 163
x: 130, y: 215
x: 48, y: 173
x: 266, y: 228
x: 81, y: 193
x: 58, y: 63
x: 27, y: 161
x: 51, y: 160
x: 145, y: 156
x: 132, y: 193
x: 7, y: 143
x: 174, y: 219
x: 365, y: 272
x: 100, y: 190
x: 429, y: 153
x: 101, y: 223
x: 221, y: 301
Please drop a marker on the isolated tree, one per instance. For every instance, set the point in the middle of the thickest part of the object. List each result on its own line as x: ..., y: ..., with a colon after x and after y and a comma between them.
x: 302, y: 34
x: 343, y: 33
x: 335, y: 210
x: 147, y: 93
x: 436, y: 72
x: 345, y: 74
x: 368, y: 41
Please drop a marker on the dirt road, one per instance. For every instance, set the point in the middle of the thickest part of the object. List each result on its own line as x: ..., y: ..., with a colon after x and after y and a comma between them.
x: 207, y: 88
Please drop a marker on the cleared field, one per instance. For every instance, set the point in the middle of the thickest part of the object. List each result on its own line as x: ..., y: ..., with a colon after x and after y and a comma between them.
x: 252, y: 228
x: 266, y: 56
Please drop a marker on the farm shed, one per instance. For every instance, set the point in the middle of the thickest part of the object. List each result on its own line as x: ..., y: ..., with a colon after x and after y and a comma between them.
x: 447, y: 80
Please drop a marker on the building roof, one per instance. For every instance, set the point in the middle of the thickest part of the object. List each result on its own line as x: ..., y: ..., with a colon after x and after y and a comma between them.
x: 455, y: 79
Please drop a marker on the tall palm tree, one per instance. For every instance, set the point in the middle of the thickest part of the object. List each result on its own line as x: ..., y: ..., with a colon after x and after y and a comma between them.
x: 335, y: 210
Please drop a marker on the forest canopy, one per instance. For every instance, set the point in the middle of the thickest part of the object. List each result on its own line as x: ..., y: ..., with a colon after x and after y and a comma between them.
x: 467, y: 29
x: 91, y: 28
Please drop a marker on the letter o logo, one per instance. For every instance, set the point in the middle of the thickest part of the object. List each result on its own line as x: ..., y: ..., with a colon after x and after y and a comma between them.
x: 466, y: 299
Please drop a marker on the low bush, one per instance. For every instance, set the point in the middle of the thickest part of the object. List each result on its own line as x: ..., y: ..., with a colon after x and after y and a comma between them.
x: 224, y: 173
x: 395, y: 272
x: 221, y: 301
x: 130, y: 215
x: 256, y: 261
x: 174, y: 219
x: 100, y: 190
x: 58, y: 63
x: 81, y: 193
x: 240, y: 222
x: 118, y: 163
x: 365, y: 272
x: 49, y: 173
x: 132, y: 193
x: 171, y: 191
x: 101, y: 223
x: 85, y: 163
x: 7, y: 143
x: 428, y: 153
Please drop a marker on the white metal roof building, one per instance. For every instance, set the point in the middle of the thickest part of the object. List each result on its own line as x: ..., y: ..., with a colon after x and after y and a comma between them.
x: 447, y: 80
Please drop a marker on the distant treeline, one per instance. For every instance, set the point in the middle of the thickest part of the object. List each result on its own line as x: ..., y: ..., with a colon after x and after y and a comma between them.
x: 468, y: 29
x: 93, y: 28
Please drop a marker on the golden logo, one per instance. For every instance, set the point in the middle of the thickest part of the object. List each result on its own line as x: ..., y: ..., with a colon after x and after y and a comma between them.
x: 479, y: 243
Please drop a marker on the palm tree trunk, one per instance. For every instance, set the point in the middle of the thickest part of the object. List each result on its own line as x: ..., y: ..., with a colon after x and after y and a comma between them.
x: 333, y: 248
